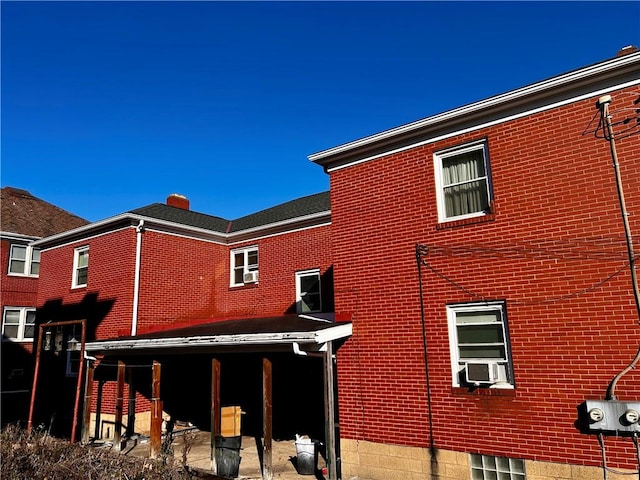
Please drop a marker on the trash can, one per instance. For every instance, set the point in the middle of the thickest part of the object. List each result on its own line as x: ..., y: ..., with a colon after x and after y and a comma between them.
x: 306, y: 455
x: 228, y: 456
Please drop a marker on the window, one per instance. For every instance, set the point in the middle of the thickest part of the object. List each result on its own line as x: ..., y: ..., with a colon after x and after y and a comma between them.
x: 18, y: 323
x: 24, y: 260
x: 487, y: 467
x: 308, y: 299
x: 462, y: 182
x: 244, y: 266
x: 480, y: 345
x: 73, y: 363
x: 80, y: 267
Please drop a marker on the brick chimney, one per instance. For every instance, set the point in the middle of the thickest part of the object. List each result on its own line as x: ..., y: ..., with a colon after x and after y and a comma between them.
x: 178, y: 201
x: 627, y: 50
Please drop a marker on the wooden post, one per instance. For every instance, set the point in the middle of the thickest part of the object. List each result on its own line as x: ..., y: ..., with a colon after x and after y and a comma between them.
x: 117, y: 434
x: 330, y: 412
x: 267, y: 419
x: 216, y: 420
x: 156, y: 413
x: 35, y: 378
x: 98, y: 432
x: 131, y: 407
x: 88, y: 391
x: 76, y: 404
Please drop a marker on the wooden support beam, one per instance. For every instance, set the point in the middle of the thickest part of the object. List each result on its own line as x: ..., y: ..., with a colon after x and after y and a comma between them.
x: 330, y: 412
x: 117, y: 434
x: 216, y: 421
x: 131, y: 407
x: 35, y: 378
x: 156, y: 413
x: 76, y: 403
x: 98, y: 431
x: 267, y: 419
x: 88, y: 391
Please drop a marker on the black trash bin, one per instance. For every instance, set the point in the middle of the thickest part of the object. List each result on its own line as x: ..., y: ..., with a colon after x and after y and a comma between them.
x: 228, y: 456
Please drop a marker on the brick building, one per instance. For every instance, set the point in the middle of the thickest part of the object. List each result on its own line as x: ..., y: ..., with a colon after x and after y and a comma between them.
x: 481, y: 257
x: 24, y: 218
x: 167, y: 286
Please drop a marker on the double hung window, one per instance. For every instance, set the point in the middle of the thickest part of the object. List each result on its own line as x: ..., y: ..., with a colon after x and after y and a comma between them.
x: 24, y: 260
x: 308, y: 295
x: 479, y: 342
x: 18, y: 323
x: 244, y: 266
x: 462, y: 182
x: 80, y: 267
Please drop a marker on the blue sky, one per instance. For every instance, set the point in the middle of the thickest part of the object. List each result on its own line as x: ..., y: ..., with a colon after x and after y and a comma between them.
x: 109, y: 106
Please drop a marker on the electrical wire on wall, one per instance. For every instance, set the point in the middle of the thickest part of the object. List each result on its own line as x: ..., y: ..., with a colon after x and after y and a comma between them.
x: 421, y: 252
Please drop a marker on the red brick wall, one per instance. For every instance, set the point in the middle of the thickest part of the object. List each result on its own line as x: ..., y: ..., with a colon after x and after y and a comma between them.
x: 557, y: 232
x: 109, y: 286
x: 16, y: 291
x: 186, y: 280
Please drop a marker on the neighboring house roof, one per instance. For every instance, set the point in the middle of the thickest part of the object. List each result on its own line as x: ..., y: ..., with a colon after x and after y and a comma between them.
x: 168, y: 213
x: 24, y: 214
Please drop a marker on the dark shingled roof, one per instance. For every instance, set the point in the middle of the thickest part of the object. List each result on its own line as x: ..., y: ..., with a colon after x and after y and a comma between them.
x: 300, y: 207
x: 161, y: 211
x: 25, y: 214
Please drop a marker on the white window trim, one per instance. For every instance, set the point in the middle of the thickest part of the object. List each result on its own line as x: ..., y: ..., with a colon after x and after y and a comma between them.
x: 245, y: 251
x: 21, y: 323
x: 28, y: 260
x: 437, y: 168
x: 299, y: 275
x: 76, y: 257
x: 452, y: 310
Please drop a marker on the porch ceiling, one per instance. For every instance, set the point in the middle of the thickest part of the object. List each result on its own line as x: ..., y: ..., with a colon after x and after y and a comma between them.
x: 305, y: 332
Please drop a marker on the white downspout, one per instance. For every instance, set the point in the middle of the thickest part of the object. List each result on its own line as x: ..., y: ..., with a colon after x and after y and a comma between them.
x: 136, y: 280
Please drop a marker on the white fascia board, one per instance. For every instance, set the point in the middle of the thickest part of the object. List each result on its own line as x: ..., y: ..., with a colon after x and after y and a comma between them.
x: 186, y: 230
x: 18, y: 236
x: 490, y: 102
x: 318, y: 337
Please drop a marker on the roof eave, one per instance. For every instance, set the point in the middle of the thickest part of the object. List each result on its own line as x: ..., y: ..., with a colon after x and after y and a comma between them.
x: 319, y: 337
x: 515, y: 98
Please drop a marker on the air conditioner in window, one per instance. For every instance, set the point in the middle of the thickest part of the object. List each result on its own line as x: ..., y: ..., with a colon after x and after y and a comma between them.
x: 485, y: 372
x: 250, y: 277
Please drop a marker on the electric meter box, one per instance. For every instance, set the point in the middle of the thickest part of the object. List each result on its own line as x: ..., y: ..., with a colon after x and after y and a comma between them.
x: 613, y: 416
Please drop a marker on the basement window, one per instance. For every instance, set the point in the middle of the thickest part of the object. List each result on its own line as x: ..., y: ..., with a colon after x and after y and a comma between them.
x: 488, y: 467
x: 462, y: 182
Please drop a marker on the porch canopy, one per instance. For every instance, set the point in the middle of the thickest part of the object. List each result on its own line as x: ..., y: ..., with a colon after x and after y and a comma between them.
x: 299, y: 333
x: 316, y: 335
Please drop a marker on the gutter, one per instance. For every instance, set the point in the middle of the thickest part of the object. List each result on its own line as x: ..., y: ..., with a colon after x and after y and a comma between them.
x: 136, y: 278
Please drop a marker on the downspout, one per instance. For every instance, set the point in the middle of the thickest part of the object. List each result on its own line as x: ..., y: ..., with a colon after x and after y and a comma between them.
x: 136, y: 279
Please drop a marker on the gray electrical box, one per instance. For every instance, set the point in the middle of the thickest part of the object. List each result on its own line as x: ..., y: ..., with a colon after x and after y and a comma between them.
x: 613, y: 416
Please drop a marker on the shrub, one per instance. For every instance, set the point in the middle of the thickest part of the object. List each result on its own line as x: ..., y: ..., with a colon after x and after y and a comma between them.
x: 38, y: 456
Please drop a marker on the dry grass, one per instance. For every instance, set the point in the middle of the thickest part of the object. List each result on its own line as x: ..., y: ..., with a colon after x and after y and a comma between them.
x: 38, y: 456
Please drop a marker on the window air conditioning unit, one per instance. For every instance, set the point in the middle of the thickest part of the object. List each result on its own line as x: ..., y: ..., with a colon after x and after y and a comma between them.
x: 250, y: 277
x: 485, y: 372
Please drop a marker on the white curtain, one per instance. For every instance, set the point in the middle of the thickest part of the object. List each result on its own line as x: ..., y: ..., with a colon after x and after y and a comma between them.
x: 465, y: 184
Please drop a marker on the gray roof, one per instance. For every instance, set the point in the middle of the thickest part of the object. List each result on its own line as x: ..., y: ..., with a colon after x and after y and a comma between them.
x: 300, y: 207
